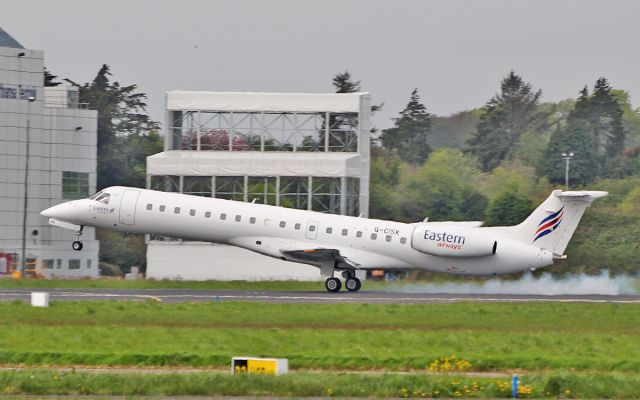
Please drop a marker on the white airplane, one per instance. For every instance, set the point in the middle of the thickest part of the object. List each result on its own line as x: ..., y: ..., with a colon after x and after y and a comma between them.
x: 336, y: 242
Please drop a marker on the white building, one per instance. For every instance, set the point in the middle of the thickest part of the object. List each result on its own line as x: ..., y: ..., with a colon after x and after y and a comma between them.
x: 61, y: 140
x: 307, y: 151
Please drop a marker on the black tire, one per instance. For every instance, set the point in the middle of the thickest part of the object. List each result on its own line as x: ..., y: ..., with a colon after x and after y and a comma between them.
x: 353, y: 284
x: 77, y: 245
x: 333, y: 285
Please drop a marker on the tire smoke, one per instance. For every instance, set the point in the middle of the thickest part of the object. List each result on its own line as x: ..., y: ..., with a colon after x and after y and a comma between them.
x: 545, y: 285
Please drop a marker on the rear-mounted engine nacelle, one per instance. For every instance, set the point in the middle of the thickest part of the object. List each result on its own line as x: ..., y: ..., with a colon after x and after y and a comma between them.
x: 451, y: 242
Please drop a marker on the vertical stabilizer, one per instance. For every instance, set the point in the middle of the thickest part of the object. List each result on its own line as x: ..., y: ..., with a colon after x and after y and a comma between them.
x: 553, y: 223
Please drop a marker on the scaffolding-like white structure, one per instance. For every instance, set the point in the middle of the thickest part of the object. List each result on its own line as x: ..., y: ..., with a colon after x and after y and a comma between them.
x: 306, y: 151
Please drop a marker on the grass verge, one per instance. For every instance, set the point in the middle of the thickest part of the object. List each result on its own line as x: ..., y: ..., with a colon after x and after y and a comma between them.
x: 488, y: 337
x: 42, y: 382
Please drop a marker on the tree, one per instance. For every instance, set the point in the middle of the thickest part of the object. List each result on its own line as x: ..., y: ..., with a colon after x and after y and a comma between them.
x: 606, y: 117
x: 505, y: 118
x: 121, y: 112
x: 50, y: 79
x: 508, y: 207
x: 408, y: 138
x: 594, y: 132
x: 344, y: 84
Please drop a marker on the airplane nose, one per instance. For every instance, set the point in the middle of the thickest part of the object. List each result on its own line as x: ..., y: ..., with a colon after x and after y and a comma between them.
x: 59, y: 211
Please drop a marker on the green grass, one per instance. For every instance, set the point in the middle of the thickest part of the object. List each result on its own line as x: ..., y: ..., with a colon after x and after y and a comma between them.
x: 496, y: 336
x: 305, y: 384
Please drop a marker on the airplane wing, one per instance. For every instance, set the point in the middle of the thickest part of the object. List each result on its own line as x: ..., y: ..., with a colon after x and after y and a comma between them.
x: 295, y: 251
x: 320, y: 255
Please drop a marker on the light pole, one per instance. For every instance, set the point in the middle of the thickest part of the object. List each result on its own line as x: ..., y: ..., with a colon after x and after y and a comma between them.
x: 567, y: 159
x: 30, y: 99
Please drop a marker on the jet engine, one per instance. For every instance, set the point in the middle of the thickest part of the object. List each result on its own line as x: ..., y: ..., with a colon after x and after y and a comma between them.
x: 451, y: 242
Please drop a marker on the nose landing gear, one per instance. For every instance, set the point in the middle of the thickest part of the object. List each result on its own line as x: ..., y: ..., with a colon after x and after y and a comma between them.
x: 77, y: 244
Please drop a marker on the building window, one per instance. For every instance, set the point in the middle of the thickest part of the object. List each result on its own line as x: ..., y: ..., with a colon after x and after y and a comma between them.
x: 207, y: 214
x: 176, y: 210
x: 192, y: 212
x: 162, y: 208
x: 197, y: 186
x: 223, y: 216
x: 329, y: 230
x: 374, y: 236
x: 345, y: 232
x: 297, y: 226
x: 74, y: 264
x: 88, y: 263
x: 230, y: 188
x: 48, y: 264
x: 252, y: 220
x: 149, y: 206
x: 238, y: 218
x: 75, y: 185
x: 403, y: 240
x: 387, y: 238
x: 59, y: 263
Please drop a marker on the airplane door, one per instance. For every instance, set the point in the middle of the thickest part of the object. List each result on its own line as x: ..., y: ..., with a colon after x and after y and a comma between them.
x: 312, y: 230
x: 128, y: 206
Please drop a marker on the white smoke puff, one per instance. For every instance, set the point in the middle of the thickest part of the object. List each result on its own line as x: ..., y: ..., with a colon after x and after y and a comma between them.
x: 545, y: 285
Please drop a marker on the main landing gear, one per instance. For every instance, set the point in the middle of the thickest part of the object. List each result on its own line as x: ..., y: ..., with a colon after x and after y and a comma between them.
x: 351, y: 283
x: 77, y: 244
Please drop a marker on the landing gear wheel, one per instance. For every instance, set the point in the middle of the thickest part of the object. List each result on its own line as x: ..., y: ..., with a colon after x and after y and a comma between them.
x: 77, y: 245
x: 333, y: 284
x: 353, y: 284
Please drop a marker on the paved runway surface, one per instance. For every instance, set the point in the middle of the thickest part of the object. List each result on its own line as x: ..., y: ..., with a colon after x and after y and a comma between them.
x: 182, y: 295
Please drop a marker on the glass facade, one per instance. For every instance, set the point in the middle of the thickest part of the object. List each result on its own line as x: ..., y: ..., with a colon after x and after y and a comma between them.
x: 262, y: 131
x: 322, y: 194
x: 75, y: 185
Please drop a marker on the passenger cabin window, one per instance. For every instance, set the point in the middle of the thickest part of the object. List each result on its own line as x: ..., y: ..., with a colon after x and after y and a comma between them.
x: 252, y: 220
x: 238, y: 218
x: 296, y: 227
x: 374, y: 236
x: 387, y: 238
x: 176, y: 210
x: 192, y: 212
x: 312, y: 228
x: 282, y: 224
x: 359, y: 234
x: 345, y: 232
x: 162, y: 208
x: 223, y: 216
x: 149, y: 206
x: 329, y: 230
x: 207, y: 214
x: 403, y: 240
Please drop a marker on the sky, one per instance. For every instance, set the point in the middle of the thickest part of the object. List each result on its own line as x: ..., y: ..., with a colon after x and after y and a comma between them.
x: 455, y: 52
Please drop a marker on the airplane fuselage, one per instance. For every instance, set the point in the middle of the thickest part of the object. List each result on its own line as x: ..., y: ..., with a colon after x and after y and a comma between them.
x: 281, y: 232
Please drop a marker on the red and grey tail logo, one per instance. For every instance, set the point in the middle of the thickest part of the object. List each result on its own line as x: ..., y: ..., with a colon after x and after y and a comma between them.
x: 549, y: 224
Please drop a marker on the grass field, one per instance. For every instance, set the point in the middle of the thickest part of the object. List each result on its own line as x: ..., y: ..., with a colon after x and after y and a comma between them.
x: 325, y: 384
x: 488, y: 337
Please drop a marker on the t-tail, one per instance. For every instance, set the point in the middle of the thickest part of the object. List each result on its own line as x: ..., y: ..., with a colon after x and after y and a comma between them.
x: 553, y: 223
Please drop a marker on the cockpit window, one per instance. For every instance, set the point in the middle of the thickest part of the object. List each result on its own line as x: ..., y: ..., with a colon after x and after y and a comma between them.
x: 96, y: 195
x: 103, y: 198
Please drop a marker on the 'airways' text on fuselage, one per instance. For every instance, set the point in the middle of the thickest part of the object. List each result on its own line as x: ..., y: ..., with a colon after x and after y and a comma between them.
x: 443, y: 237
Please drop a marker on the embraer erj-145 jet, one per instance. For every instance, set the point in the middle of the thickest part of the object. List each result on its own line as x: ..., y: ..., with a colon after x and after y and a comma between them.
x: 336, y: 242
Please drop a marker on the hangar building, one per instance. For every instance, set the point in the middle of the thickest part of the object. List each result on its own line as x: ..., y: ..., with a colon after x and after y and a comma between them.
x: 305, y: 151
x: 43, y: 131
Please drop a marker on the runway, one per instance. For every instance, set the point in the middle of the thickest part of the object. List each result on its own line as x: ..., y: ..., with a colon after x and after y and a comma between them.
x: 369, y: 297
